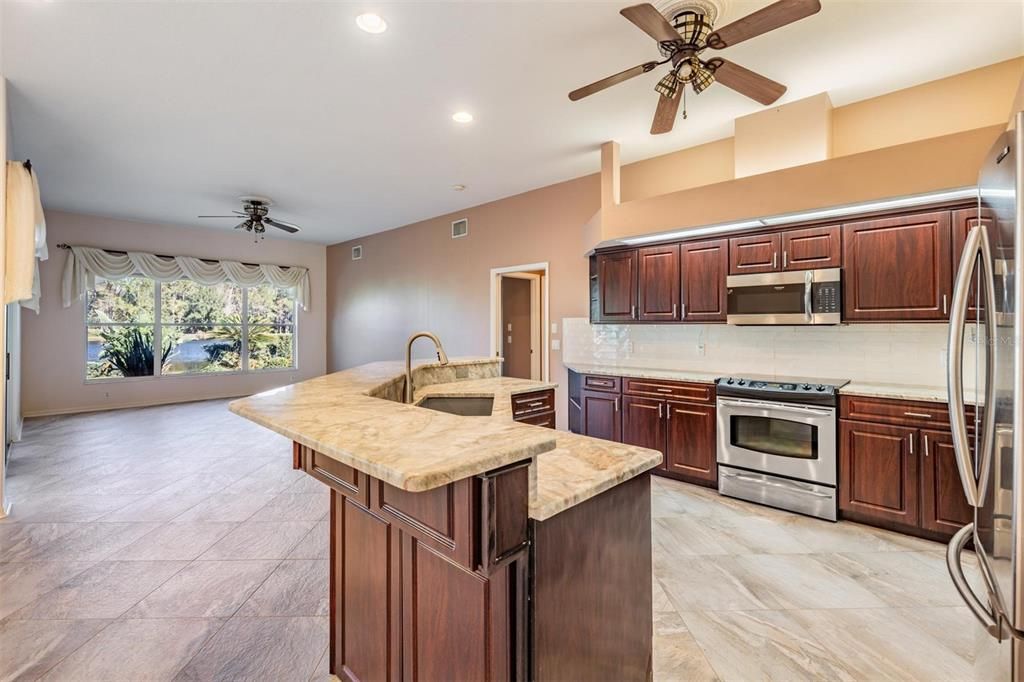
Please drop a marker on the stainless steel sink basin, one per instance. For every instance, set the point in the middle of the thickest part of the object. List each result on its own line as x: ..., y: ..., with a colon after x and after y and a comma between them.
x: 464, y: 407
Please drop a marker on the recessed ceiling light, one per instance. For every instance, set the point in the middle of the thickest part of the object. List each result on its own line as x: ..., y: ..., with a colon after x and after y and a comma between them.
x: 458, y: 188
x: 371, y: 23
x: 462, y: 117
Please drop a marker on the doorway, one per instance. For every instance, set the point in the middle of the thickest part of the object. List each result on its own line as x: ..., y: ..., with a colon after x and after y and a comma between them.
x: 519, y: 320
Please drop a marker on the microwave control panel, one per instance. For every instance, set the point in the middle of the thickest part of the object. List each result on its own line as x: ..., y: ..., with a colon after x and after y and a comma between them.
x: 825, y: 296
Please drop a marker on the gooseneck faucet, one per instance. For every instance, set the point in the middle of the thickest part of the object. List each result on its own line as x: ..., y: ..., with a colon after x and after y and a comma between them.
x: 442, y: 357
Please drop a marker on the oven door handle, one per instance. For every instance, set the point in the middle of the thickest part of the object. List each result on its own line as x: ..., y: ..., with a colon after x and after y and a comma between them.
x: 775, y: 484
x: 784, y: 407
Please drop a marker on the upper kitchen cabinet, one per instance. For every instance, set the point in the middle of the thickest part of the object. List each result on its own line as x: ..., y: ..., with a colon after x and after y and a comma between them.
x: 617, y: 286
x: 658, y: 291
x: 704, y: 268
x: 756, y: 253
x: 898, y: 268
x: 811, y: 248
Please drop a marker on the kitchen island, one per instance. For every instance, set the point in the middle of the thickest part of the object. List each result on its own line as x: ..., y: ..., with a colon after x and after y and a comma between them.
x: 470, y: 547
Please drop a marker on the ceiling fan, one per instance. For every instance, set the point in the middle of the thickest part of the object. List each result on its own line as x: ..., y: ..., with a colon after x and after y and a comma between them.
x: 255, y: 219
x: 685, y: 37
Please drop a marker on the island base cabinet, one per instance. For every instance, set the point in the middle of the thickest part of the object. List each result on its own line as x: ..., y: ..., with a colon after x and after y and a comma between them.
x: 591, y: 589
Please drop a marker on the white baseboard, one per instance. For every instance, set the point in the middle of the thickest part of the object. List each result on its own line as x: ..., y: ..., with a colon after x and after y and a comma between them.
x: 127, y: 406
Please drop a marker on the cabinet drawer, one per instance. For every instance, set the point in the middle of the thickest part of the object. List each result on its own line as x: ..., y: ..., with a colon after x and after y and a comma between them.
x: 602, y: 383
x: 898, y: 412
x: 670, y: 389
x: 546, y: 420
x: 529, y: 404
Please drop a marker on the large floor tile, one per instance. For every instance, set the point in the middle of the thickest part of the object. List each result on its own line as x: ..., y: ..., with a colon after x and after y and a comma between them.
x: 90, y: 542
x: 174, y: 541
x: 260, y: 649
x: 224, y: 508
x: 106, y: 590
x: 899, y: 578
x: 316, y: 544
x: 804, y: 581
x: 160, y: 506
x: 205, y: 589
x: 156, y: 650
x: 697, y: 583
x: 295, y: 588
x: 259, y: 540
x: 677, y: 658
x: 23, y: 583
x: 18, y: 540
x: 66, y: 508
x: 296, y: 507
x: 28, y: 648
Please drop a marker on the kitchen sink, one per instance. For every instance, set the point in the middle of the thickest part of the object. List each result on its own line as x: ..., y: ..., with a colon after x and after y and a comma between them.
x: 465, y: 407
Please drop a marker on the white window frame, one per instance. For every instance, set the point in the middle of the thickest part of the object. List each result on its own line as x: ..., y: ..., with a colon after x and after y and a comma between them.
x: 158, y: 325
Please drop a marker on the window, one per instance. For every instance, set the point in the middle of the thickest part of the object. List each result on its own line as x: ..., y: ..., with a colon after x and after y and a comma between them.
x: 199, y: 329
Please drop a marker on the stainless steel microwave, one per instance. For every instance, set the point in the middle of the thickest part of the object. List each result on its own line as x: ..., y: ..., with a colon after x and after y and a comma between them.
x: 796, y: 297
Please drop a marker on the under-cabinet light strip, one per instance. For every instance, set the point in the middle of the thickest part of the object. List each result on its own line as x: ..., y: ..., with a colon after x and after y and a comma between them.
x: 838, y: 211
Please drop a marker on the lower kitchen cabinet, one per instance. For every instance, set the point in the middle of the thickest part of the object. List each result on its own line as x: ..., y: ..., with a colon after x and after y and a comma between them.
x: 690, y: 447
x: 944, y: 507
x: 878, y: 473
x: 642, y: 423
x: 600, y: 415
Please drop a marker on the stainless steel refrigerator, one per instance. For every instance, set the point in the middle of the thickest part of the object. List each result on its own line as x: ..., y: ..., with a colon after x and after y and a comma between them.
x: 985, y: 341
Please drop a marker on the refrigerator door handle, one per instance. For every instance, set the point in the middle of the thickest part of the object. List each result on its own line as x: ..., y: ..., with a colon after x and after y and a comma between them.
x: 984, y: 613
x: 975, y: 485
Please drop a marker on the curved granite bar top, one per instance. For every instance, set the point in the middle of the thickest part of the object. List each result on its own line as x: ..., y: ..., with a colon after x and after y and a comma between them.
x: 355, y: 416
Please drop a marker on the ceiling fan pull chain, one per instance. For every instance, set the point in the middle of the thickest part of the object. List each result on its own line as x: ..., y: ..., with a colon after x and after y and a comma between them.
x: 684, y: 101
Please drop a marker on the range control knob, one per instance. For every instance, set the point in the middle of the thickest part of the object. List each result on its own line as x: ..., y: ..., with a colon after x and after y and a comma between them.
x: 742, y: 382
x: 728, y: 381
x: 821, y: 387
x: 806, y: 387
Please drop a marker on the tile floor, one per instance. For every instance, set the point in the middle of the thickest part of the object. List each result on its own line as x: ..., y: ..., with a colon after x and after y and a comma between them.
x: 177, y: 543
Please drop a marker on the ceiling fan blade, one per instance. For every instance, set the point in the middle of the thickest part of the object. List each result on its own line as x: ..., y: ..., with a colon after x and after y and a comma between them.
x: 216, y: 216
x: 600, y: 85
x: 281, y: 225
x: 763, y: 20
x: 650, y: 21
x: 746, y: 82
x: 665, y: 114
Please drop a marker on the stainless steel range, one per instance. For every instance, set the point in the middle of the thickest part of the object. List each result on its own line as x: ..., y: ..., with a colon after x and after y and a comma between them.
x: 777, y: 442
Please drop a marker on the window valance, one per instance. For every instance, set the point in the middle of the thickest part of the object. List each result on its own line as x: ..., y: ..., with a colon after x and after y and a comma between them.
x: 85, y: 264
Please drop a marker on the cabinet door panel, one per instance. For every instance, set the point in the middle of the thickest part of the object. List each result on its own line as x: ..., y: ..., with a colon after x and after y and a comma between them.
x: 617, y: 284
x: 878, y: 472
x: 898, y: 268
x: 601, y: 417
x: 814, y: 247
x: 642, y: 423
x: 690, y: 448
x: 658, y: 293
x: 944, y: 507
x: 704, y: 269
x: 756, y: 253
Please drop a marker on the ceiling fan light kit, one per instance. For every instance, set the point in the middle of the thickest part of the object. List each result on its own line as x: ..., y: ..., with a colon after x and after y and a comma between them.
x: 255, y: 210
x: 683, y: 30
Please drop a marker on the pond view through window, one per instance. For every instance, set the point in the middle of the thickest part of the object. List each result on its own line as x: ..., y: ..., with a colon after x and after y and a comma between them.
x: 137, y: 327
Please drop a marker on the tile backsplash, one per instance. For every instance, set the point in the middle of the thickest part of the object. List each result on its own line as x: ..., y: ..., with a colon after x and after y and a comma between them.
x: 889, y: 353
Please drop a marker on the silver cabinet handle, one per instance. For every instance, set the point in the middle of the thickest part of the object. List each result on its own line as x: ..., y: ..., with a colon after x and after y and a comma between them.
x: 910, y: 440
x: 945, y: 306
x: 674, y: 308
x: 982, y: 612
x: 775, y: 256
x: 659, y: 410
x: 783, y: 260
x: 975, y: 484
x: 616, y: 404
x: 922, y: 415
x: 632, y: 311
x: 682, y: 311
x: 926, y: 445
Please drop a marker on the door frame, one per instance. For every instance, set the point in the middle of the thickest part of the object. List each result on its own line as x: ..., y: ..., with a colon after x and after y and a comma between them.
x: 539, y: 293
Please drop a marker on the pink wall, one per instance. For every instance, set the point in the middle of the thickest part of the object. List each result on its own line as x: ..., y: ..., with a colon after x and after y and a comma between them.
x: 418, y: 277
x: 53, y: 342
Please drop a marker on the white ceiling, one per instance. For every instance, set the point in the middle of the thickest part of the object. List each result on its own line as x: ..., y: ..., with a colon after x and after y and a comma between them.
x: 164, y: 110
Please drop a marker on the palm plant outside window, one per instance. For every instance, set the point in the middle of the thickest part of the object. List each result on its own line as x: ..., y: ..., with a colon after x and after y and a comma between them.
x: 140, y: 328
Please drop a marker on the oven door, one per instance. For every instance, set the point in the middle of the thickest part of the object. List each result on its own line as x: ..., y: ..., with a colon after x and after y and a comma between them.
x: 796, y: 441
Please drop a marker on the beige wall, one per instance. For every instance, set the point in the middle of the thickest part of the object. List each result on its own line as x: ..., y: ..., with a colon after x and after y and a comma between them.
x: 782, y: 137
x: 417, y: 277
x: 705, y: 164
x: 53, y: 343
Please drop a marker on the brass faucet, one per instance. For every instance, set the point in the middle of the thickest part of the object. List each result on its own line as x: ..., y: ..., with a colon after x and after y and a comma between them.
x: 442, y: 357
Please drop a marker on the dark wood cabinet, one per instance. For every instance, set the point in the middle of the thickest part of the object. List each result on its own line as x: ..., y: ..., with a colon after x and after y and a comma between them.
x: 575, y: 408
x: 755, y: 253
x: 944, y: 507
x: 617, y: 286
x: 811, y: 248
x: 690, y: 448
x: 536, y: 408
x: 658, y: 283
x: 704, y: 267
x: 898, y: 268
x: 601, y: 418
x: 878, y: 473
x: 642, y: 423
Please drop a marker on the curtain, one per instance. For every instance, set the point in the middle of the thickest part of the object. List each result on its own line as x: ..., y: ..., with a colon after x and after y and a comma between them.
x: 25, y: 236
x: 85, y: 264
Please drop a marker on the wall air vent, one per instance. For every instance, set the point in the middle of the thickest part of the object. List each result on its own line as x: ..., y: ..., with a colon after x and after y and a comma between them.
x: 357, y: 252
x: 460, y: 228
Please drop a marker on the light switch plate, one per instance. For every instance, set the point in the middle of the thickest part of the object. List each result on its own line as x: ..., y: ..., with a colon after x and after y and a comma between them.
x: 554, y: 327
x: 556, y: 344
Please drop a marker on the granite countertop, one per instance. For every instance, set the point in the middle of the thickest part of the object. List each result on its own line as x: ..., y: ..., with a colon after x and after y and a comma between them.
x: 874, y: 389
x: 646, y: 372
x: 344, y: 415
x: 577, y: 469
